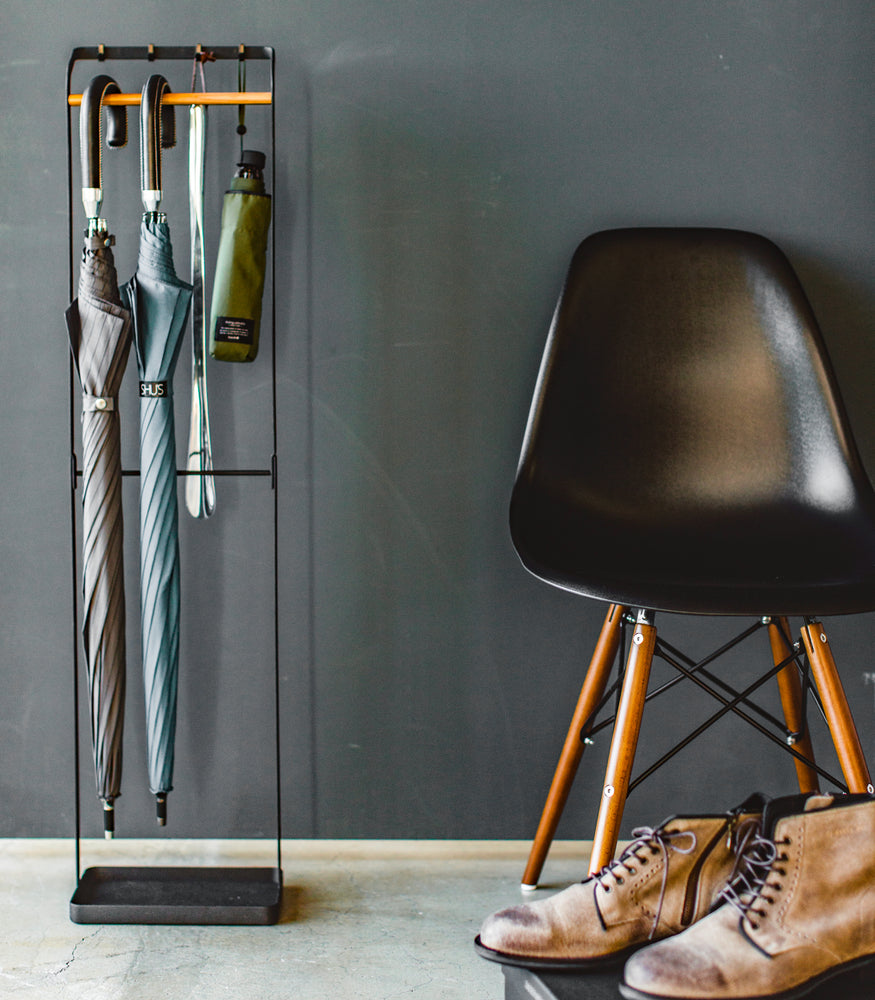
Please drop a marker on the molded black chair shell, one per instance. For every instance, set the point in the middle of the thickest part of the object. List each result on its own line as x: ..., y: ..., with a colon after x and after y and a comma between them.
x: 687, y: 449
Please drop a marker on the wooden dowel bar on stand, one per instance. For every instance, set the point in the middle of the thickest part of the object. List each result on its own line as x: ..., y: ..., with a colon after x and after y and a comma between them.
x: 219, y: 97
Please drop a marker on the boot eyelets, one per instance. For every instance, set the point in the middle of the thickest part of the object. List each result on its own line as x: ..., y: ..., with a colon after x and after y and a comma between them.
x: 619, y: 880
x: 631, y: 871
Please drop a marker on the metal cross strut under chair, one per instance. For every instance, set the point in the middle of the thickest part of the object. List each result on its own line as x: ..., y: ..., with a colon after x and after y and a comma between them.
x: 687, y: 451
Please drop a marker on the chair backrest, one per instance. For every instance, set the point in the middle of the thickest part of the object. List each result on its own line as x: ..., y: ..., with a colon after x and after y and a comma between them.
x: 687, y: 449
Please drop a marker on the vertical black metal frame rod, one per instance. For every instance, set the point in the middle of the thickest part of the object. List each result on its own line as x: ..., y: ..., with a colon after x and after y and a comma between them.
x: 152, y: 53
x: 74, y: 555
x: 274, y: 468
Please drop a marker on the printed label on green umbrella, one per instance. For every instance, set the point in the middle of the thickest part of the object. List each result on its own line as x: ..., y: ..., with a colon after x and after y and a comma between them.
x: 234, y: 330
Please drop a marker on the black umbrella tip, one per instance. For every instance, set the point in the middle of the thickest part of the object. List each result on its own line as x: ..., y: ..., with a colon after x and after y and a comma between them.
x: 108, y: 820
x: 161, y: 808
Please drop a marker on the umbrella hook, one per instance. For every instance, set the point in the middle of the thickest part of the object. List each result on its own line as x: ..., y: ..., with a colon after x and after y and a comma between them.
x: 157, y: 132
x: 241, y: 88
x: 91, y: 145
x: 201, y: 57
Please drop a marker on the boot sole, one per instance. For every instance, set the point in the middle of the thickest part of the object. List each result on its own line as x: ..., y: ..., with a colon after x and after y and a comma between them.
x: 630, y: 993
x: 555, y: 964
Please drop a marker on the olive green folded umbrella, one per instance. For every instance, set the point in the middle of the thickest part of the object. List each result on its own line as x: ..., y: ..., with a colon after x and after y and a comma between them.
x: 159, y: 303
x: 238, y: 284
x: 99, y: 329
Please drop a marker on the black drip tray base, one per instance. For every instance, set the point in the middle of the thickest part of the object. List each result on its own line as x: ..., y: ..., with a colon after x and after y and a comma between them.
x: 178, y: 895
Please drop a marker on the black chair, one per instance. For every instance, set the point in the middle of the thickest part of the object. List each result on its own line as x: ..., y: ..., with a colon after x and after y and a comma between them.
x: 687, y: 451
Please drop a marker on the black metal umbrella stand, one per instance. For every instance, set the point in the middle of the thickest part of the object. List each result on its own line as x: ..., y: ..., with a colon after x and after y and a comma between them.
x: 157, y: 894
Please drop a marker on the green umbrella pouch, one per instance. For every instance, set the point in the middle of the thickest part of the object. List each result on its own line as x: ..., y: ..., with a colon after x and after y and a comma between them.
x: 238, y: 286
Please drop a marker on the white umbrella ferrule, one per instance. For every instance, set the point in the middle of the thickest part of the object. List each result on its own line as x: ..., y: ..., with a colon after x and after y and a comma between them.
x: 151, y: 199
x: 96, y: 229
x: 92, y: 199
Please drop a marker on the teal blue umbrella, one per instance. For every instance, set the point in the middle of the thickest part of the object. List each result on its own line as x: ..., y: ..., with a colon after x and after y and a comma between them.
x: 159, y: 303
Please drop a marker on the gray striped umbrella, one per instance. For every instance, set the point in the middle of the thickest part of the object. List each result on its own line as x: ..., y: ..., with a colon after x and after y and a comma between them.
x: 100, y: 337
x: 159, y: 302
x: 99, y: 328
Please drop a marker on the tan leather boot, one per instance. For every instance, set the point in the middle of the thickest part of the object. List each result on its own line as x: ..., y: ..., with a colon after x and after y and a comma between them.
x: 663, y: 881
x: 801, y: 911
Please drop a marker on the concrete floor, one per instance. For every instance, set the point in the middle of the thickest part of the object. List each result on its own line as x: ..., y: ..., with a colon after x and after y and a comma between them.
x: 361, y: 920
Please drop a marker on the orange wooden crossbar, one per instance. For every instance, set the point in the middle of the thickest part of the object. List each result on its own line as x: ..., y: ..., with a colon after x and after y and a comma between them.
x: 218, y: 97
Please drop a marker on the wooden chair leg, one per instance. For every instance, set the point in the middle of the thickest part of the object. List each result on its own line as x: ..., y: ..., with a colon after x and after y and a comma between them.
x: 590, y: 694
x: 624, y: 742
x: 835, y: 706
x: 790, y: 688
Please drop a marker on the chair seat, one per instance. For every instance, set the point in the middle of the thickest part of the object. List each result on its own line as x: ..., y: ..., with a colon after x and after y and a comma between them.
x: 734, y: 563
x: 687, y: 448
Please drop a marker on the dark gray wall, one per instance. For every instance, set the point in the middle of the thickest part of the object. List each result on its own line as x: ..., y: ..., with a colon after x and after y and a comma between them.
x: 436, y: 165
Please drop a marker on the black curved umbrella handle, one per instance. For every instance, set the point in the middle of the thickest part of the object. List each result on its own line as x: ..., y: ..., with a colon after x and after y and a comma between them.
x: 90, y: 136
x: 157, y: 132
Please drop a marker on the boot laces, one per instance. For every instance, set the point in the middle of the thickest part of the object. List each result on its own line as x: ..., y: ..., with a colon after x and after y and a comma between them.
x: 746, y: 887
x: 646, y: 842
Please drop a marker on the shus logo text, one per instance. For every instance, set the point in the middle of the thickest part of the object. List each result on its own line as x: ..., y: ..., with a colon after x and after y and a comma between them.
x: 153, y: 390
